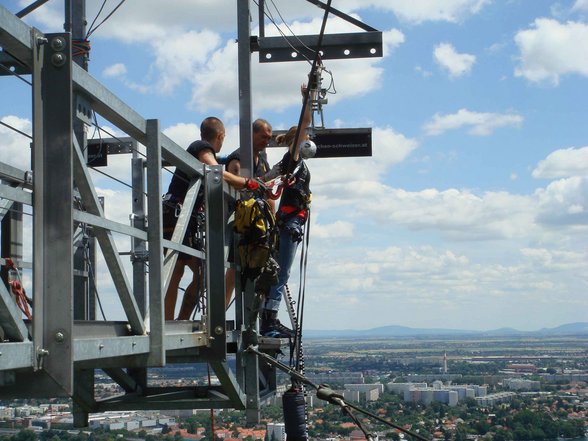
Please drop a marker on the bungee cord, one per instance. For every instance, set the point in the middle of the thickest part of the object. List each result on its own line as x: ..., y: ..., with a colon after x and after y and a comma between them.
x: 325, y: 393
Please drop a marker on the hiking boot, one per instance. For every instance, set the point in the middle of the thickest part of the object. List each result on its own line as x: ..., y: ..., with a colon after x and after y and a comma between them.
x: 277, y: 330
x: 270, y: 326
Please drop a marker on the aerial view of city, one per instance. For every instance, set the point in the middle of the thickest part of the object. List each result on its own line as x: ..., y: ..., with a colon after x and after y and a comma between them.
x: 458, y: 387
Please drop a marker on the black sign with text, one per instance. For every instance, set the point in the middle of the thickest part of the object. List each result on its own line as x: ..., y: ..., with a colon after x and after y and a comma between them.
x: 342, y: 143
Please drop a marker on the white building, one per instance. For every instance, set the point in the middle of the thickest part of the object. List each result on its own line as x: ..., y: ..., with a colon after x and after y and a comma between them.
x: 367, y: 392
x: 493, y: 399
x: 520, y: 384
x: 276, y: 432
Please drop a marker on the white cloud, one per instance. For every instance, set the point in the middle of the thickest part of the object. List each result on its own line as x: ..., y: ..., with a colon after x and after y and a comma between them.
x: 338, y: 229
x: 15, y: 146
x: 178, y: 56
x: 564, y: 202
x: 456, y: 214
x: 183, y: 133
x: 580, y: 5
x: 453, y: 62
x: 148, y: 21
x: 115, y: 70
x: 553, y: 259
x: 425, y: 73
x: 438, y: 280
x: 550, y: 49
x: 481, y: 124
x: 117, y: 204
x: 563, y: 163
x: 423, y: 10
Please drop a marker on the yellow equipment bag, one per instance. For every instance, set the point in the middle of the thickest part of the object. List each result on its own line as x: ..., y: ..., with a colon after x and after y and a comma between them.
x: 256, y: 224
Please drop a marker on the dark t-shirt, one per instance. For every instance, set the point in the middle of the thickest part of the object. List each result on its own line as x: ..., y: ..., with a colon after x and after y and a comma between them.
x: 178, y: 187
x: 261, y: 168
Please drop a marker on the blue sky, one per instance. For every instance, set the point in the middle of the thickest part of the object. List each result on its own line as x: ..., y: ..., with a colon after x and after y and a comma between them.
x: 472, y: 212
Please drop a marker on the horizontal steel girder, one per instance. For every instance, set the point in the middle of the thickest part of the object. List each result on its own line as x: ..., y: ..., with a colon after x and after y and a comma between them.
x: 303, y: 47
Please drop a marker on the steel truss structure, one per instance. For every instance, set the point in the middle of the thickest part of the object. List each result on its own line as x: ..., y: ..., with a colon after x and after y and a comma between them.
x: 57, y: 352
x: 54, y: 355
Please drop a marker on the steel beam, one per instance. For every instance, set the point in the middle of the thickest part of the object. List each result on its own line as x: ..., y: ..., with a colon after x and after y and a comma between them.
x: 245, y: 112
x: 53, y: 212
x: 16, y: 355
x: 196, y: 397
x: 215, y: 260
x: 334, y: 47
x: 16, y: 175
x: 229, y: 382
x: 154, y: 235
x: 102, y: 223
x: 15, y: 194
x: 83, y: 396
x: 139, y: 221
x: 16, y: 38
x: 32, y: 384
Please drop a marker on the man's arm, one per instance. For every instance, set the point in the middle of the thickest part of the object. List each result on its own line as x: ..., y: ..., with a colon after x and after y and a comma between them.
x: 238, y: 182
x: 306, y: 119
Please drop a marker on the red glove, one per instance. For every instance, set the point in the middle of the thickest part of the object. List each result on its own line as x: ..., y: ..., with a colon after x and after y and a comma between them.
x: 251, y: 184
x: 254, y: 184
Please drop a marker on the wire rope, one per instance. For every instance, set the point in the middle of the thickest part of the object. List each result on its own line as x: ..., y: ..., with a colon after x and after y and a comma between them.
x: 114, y: 179
x: 92, y: 30
x: 271, y: 18
x: 15, y: 129
x: 96, y: 18
x: 14, y: 73
x: 290, y: 29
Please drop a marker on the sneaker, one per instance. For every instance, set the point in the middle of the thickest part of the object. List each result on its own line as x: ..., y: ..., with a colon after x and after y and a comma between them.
x: 275, y: 329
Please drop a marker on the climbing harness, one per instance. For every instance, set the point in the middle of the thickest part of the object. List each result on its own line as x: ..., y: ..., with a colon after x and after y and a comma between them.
x: 276, y: 185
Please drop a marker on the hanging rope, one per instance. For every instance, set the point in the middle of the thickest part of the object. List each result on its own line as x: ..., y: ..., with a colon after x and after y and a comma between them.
x: 302, y: 291
x: 325, y: 393
x: 88, y: 261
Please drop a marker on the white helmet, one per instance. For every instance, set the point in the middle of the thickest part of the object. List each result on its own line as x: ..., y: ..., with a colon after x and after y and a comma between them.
x: 307, y: 149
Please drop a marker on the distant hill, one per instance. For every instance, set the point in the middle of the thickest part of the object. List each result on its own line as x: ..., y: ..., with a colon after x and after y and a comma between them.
x: 580, y: 329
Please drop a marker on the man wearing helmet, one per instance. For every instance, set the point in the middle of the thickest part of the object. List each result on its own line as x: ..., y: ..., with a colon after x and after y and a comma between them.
x: 291, y: 216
